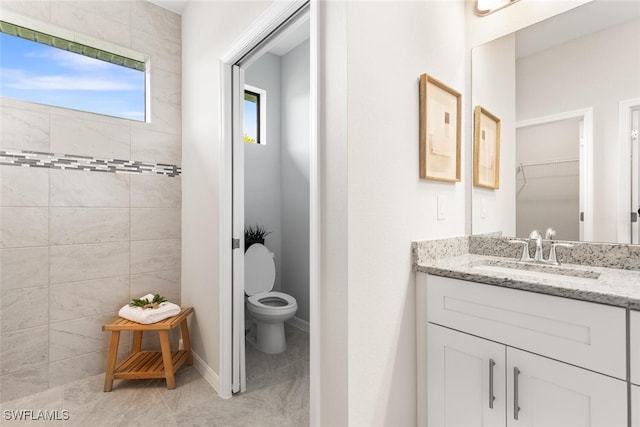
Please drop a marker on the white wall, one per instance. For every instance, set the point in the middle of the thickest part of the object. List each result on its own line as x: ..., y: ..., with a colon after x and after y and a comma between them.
x: 548, y: 83
x: 493, y: 83
x: 209, y: 30
x: 295, y: 176
x: 262, y: 184
x: 389, y: 45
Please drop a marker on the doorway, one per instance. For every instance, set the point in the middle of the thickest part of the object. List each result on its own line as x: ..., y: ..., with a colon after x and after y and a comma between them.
x: 554, y: 175
x: 261, y: 37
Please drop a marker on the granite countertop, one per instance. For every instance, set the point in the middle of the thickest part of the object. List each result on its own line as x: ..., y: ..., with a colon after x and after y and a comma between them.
x: 613, y: 286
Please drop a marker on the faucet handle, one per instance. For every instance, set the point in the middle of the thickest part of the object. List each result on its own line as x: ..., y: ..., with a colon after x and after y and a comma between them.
x: 535, y: 234
x: 553, y: 258
x: 525, y: 251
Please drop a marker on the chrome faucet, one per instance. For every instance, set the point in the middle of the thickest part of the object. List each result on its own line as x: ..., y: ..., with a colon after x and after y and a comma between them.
x: 538, y: 257
x: 535, y: 235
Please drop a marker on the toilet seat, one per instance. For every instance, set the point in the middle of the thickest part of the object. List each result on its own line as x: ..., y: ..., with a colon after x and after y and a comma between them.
x: 257, y: 300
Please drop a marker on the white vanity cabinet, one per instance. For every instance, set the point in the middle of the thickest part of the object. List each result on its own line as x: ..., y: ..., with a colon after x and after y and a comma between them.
x: 491, y: 350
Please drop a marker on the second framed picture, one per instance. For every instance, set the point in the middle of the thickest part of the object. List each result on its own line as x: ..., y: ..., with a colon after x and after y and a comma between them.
x: 440, y: 108
x: 486, y: 149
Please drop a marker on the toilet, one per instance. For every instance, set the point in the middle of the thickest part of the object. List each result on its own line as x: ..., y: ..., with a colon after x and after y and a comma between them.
x: 268, y: 310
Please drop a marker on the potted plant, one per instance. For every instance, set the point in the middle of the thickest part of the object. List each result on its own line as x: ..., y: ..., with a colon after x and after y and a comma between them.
x: 254, y: 234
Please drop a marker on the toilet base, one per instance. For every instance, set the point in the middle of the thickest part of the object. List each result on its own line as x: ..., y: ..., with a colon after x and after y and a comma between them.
x: 270, y: 337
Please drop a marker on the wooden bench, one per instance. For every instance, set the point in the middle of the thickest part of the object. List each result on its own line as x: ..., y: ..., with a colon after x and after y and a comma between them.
x: 148, y: 364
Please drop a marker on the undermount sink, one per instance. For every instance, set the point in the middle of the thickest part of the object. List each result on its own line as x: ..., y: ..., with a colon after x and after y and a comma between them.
x: 526, y: 270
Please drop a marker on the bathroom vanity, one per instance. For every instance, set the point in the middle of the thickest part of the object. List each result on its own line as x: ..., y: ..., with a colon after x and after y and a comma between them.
x: 501, y: 342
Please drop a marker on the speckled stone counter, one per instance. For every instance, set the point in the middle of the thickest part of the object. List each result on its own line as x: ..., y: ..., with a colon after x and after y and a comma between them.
x: 601, y: 273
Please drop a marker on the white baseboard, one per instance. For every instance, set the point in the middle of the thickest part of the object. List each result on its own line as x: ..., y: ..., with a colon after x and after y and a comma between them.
x: 299, y: 323
x: 208, y: 374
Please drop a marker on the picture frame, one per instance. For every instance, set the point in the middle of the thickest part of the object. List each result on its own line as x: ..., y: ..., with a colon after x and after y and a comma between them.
x: 486, y: 149
x: 440, y: 130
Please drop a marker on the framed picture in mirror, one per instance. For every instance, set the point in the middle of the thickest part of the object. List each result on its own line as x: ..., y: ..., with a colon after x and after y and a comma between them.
x: 486, y: 149
x: 440, y: 121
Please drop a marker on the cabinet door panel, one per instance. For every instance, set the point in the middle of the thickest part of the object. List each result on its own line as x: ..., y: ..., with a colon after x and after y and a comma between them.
x: 635, y: 406
x: 458, y: 372
x: 634, y: 343
x: 554, y: 394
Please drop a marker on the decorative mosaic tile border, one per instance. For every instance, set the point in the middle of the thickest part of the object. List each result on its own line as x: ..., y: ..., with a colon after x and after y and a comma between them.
x: 37, y: 159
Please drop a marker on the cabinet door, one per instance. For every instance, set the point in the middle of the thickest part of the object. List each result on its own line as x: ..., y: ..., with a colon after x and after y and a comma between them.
x: 463, y: 373
x: 634, y: 344
x: 553, y: 394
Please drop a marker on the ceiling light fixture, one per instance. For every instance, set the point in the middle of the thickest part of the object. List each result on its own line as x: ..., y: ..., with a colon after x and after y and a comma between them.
x: 485, y: 7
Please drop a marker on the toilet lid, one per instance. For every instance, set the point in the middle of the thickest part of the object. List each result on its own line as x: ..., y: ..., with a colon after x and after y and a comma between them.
x: 259, y: 270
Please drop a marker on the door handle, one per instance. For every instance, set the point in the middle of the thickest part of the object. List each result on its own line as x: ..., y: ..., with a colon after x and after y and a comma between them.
x: 491, y: 396
x: 516, y: 407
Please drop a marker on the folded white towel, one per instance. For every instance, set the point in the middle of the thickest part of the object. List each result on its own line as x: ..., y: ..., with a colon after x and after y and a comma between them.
x: 147, y: 316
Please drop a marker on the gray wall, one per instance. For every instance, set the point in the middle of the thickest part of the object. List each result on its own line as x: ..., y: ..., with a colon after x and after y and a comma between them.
x: 75, y: 246
x: 295, y: 177
x: 262, y: 198
x: 277, y: 174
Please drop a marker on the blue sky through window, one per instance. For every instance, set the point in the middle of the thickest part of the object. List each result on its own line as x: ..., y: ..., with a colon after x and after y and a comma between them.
x: 35, y: 72
x: 251, y: 120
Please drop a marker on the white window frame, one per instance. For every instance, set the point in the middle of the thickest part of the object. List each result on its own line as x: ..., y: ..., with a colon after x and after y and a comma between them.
x: 263, y: 112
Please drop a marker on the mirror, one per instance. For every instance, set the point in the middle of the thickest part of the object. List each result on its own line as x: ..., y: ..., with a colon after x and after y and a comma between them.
x: 567, y: 91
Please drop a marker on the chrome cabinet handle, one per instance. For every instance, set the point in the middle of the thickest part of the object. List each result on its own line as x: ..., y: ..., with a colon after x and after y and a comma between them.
x: 516, y: 407
x: 491, y: 396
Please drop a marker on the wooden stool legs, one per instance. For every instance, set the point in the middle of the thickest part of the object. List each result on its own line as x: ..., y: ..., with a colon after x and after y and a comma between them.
x: 111, y: 360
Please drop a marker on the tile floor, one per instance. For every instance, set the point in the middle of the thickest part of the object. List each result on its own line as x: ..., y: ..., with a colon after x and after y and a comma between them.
x: 277, y: 395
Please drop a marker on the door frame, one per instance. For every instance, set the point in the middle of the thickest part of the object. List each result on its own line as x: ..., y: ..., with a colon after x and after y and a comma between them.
x: 276, y: 15
x: 624, y: 183
x: 586, y: 160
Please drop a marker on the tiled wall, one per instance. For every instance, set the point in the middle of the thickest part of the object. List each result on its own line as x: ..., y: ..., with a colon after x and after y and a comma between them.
x: 76, y: 245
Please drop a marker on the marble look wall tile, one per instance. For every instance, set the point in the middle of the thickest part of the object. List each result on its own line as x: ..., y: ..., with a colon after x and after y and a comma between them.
x: 165, y: 283
x: 167, y: 87
x: 89, y: 138
x: 165, y: 117
x: 21, y: 227
x: 154, y: 255
x: 23, y: 308
x: 24, y: 267
x: 91, y: 261
x: 24, y: 130
x: 24, y: 383
x: 89, y: 189
x: 155, y: 223
x: 157, y: 147
x: 164, y: 54
x: 155, y: 21
x: 83, y: 366
x: 76, y: 337
x: 24, y: 349
x: 150, y: 191
x: 87, y: 298
x: 88, y: 225
x: 38, y: 9
x: 105, y: 23
x: 22, y: 186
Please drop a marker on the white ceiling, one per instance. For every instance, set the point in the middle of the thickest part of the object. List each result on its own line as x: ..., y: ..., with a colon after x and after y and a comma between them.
x: 586, y: 19
x: 290, y: 38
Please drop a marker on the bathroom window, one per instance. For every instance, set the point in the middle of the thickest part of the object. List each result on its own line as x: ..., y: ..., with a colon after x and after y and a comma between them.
x: 43, y: 68
x: 255, y: 113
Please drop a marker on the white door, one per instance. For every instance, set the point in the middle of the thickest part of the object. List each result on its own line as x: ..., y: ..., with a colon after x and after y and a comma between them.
x: 635, y: 175
x: 542, y: 392
x: 239, y: 376
x: 466, y: 379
